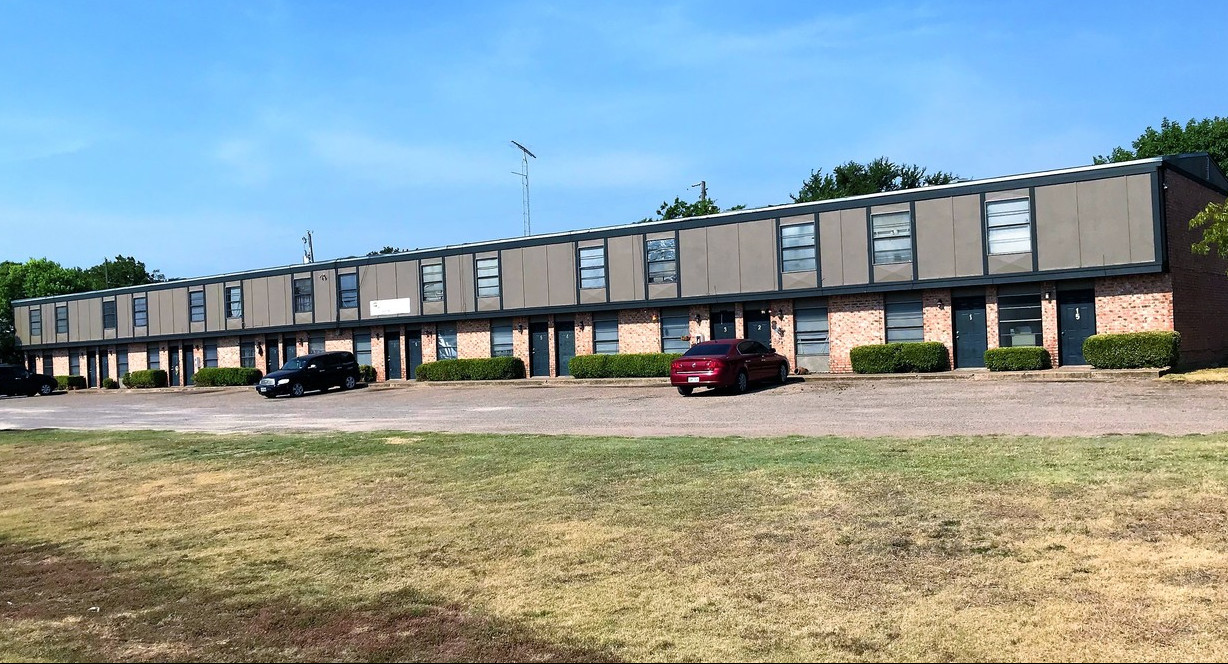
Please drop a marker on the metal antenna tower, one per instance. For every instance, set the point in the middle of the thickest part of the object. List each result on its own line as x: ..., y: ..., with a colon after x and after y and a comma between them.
x: 309, y: 254
x: 703, y: 189
x: 524, y: 178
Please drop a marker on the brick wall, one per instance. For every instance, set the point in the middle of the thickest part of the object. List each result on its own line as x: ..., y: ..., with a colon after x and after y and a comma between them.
x: 584, y: 334
x: 639, y: 331
x: 782, y: 330
x: 700, y: 327
x: 853, y: 320
x: 1200, y: 283
x: 430, y: 351
x: 991, y: 316
x: 338, y: 340
x: 1134, y: 304
x: 377, y: 353
x: 936, y: 316
x: 1048, y: 320
x: 137, y: 360
x: 520, y: 341
x: 227, y: 354
x: 473, y: 338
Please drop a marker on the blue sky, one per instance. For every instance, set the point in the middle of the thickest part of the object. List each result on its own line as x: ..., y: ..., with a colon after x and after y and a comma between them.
x: 206, y: 137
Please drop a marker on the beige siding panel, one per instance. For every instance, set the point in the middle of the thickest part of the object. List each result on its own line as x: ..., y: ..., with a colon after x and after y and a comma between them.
x: 48, y: 323
x: 693, y: 261
x: 831, y: 256
x: 935, y: 224
x: 889, y: 209
x: 1142, y: 218
x: 215, y: 313
x: 660, y: 235
x: 592, y: 296
x: 757, y: 256
x: 123, y: 316
x: 93, y: 313
x: 325, y: 295
x: 893, y: 272
x: 561, y: 268
x: 792, y: 280
x: 1006, y: 195
x: 162, y: 309
x: 407, y: 281
x: 256, y: 303
x: 1057, y: 227
x: 724, y: 267
x: 511, y: 263
x: 179, y: 305
x: 78, y: 326
x: 1010, y: 263
x: 590, y: 243
x: 625, y: 264
x: 662, y: 291
x: 1104, y: 223
x: 21, y: 324
x: 488, y: 304
x: 454, y: 285
x: 969, y: 247
x: 368, y: 277
x: 468, y: 282
x: 280, y: 301
x: 799, y: 219
x: 853, y: 246
x: 536, y: 286
x: 433, y: 308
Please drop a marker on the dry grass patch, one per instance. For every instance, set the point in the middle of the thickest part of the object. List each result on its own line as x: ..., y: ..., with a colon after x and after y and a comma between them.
x: 1219, y: 375
x: 360, y: 547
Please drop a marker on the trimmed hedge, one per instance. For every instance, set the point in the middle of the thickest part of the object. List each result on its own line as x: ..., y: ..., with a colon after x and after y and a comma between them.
x: 487, y: 368
x: 70, y: 382
x: 366, y: 373
x: 146, y: 378
x: 631, y: 365
x: 909, y: 357
x: 223, y: 376
x: 1017, y: 358
x: 1133, y: 350
x: 109, y: 384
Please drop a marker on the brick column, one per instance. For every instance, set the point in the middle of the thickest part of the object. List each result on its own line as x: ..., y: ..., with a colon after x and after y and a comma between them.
x: 377, y: 353
x: 991, y: 316
x: 782, y: 330
x: 639, y: 331
x: 702, y: 327
x: 1048, y: 319
x: 739, y: 326
x: 430, y: 350
x: 853, y: 320
x: 936, y: 314
x: 584, y: 334
x: 550, y: 345
x: 520, y: 342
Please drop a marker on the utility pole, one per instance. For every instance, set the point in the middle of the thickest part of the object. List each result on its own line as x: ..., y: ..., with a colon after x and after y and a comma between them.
x: 524, y: 178
x: 309, y: 254
x: 703, y: 189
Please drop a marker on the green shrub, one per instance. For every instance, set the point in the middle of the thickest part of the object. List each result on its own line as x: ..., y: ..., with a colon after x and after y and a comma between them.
x: 910, y: 357
x: 486, y: 368
x: 1017, y: 358
x: 109, y: 384
x: 70, y: 382
x: 146, y: 378
x: 223, y: 376
x: 632, y: 365
x: 1133, y: 350
x: 366, y: 373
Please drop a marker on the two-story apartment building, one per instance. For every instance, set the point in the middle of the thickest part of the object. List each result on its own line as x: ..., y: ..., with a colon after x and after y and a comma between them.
x: 1037, y: 259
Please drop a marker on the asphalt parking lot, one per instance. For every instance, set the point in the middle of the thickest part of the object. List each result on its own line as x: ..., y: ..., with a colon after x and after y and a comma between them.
x: 834, y: 407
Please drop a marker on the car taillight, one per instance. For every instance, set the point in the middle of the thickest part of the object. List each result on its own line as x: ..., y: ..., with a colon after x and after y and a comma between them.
x: 715, y: 365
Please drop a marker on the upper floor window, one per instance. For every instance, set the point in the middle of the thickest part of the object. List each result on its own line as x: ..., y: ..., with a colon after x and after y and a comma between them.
x: 797, y: 248
x: 196, y: 306
x: 892, y: 238
x: 140, y: 312
x: 302, y: 296
x: 501, y: 340
x: 108, y: 315
x: 347, y: 290
x: 905, y: 319
x: 61, y: 319
x: 488, y: 277
x: 234, y: 302
x: 1009, y: 226
x: 662, y: 261
x: 36, y: 322
x: 605, y: 335
x: 432, y: 283
x: 592, y: 267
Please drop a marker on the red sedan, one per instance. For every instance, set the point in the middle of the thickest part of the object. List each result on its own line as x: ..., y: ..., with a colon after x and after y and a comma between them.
x: 727, y: 363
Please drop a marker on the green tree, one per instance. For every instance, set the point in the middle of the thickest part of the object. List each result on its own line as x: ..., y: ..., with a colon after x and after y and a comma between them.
x: 386, y: 250
x: 1214, y: 222
x: 120, y: 272
x: 1208, y: 135
x: 879, y: 175
x: 680, y: 209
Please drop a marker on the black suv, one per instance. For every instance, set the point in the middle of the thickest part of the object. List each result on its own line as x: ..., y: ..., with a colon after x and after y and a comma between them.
x: 311, y: 372
x: 16, y: 380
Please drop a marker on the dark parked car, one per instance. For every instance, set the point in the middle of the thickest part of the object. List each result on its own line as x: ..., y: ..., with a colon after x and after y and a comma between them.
x: 727, y: 363
x: 16, y: 380
x: 319, y: 371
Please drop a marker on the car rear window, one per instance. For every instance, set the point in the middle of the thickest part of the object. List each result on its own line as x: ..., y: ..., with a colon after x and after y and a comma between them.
x: 708, y: 349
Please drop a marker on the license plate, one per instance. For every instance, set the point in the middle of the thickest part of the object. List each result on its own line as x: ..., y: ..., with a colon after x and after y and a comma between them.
x: 263, y: 389
x: 692, y: 379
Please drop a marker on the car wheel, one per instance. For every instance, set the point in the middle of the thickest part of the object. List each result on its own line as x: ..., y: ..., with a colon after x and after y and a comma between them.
x: 296, y: 390
x: 349, y: 383
x: 685, y: 390
x: 45, y: 389
x: 783, y: 375
x: 741, y: 382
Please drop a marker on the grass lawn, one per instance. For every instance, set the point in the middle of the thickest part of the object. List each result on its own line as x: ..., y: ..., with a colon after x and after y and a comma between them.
x: 155, y: 546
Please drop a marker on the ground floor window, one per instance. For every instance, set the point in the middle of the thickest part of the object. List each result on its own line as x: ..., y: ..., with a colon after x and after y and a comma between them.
x: 247, y: 354
x: 152, y: 359
x: 675, y: 331
x: 811, y: 331
x: 121, y: 363
x: 1019, y: 322
x: 501, y: 340
x: 362, y: 347
x: 315, y: 343
x: 290, y: 350
x: 210, y: 355
x: 605, y: 335
x: 445, y: 342
x: 48, y: 364
x: 905, y: 321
